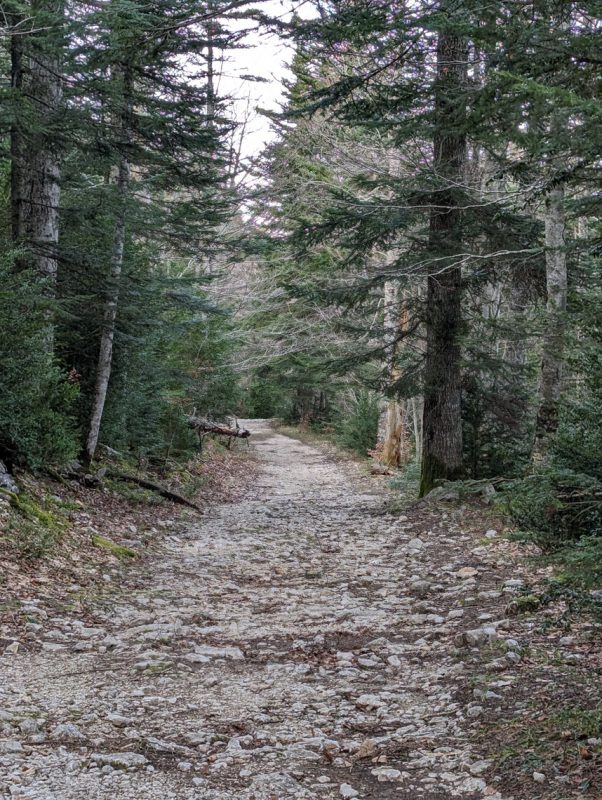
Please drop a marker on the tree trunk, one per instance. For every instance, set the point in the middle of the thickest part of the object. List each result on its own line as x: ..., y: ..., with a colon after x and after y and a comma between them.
x: 442, y: 421
x: 554, y: 333
x: 395, y: 440
x: 393, y: 433
x: 16, y: 136
x: 35, y: 174
x: 416, y: 405
x: 105, y: 355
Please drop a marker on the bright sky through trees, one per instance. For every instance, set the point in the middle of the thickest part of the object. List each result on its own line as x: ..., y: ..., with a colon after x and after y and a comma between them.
x: 264, y: 56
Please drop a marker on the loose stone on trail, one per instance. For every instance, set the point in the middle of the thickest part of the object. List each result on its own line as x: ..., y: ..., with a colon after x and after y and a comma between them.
x: 301, y: 642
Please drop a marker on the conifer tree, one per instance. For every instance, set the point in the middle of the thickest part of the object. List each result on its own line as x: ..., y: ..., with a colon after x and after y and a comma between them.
x: 37, y: 50
x: 113, y: 140
x: 442, y: 416
x: 466, y: 95
x: 123, y: 74
x: 146, y: 124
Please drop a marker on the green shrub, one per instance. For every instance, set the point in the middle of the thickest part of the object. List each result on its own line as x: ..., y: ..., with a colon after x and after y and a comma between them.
x: 33, y: 529
x: 405, y: 485
x: 560, y: 505
x: 581, y: 563
x: 36, y: 401
x: 32, y: 540
x: 357, y: 427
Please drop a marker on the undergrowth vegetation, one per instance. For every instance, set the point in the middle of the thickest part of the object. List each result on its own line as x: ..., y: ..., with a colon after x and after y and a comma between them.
x: 357, y: 424
x: 560, y: 510
x: 34, y: 526
x: 34, y: 522
x: 556, y: 504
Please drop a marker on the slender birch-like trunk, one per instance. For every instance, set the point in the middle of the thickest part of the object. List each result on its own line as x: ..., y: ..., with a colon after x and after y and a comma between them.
x: 105, y: 354
x: 554, y: 332
x: 442, y: 421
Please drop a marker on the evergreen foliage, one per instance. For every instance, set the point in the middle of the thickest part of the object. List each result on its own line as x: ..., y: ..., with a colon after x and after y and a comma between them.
x: 357, y: 427
x: 579, y: 441
x: 560, y: 504
x: 422, y: 242
x: 354, y: 183
x: 37, y: 399
x: 135, y: 97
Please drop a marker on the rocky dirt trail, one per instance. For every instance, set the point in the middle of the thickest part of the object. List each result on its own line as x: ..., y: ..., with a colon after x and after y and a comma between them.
x: 298, y: 643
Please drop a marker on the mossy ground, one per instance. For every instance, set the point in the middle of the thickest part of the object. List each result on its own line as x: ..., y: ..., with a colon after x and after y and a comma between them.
x: 34, y: 525
x: 118, y: 550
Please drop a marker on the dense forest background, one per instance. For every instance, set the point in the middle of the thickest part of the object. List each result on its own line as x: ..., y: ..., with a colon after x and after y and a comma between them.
x: 412, y: 265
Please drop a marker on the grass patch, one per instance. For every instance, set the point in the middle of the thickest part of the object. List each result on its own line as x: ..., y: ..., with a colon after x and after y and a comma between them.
x: 578, y: 723
x: 552, y: 736
x: 69, y: 505
x: 578, y: 571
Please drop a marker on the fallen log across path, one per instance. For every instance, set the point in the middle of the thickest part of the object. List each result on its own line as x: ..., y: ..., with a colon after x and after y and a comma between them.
x: 206, y: 426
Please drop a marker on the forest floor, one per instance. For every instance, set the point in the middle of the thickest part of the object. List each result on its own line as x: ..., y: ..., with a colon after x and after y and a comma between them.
x: 300, y: 640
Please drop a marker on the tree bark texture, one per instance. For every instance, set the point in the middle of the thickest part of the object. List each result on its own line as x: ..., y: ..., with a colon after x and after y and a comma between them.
x: 16, y: 135
x: 393, y: 430
x: 35, y: 151
x: 105, y: 354
x: 554, y: 332
x: 206, y: 426
x: 442, y: 422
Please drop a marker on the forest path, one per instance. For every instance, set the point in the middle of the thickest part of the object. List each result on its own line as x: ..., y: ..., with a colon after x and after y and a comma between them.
x: 297, y: 643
